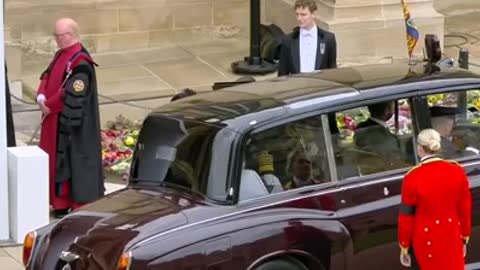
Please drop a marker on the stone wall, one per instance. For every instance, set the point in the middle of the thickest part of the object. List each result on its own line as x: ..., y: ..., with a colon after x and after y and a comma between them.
x: 366, y: 30
x: 448, y: 7
x: 113, y: 25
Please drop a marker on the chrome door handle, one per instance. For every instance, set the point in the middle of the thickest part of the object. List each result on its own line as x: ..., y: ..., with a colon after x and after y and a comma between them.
x: 386, y: 192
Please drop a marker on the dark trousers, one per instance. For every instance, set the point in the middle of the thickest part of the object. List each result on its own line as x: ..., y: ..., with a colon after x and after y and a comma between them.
x: 415, y: 265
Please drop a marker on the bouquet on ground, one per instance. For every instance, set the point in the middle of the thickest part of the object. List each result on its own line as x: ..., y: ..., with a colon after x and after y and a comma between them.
x: 118, y: 142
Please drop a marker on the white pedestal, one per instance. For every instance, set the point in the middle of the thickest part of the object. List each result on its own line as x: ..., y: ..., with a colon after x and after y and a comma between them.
x: 28, y: 190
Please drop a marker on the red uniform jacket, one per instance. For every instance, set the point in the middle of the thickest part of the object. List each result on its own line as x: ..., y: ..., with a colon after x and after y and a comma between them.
x: 51, y: 87
x: 435, y: 214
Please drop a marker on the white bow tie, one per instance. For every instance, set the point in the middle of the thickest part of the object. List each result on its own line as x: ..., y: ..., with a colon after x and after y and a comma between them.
x: 306, y: 33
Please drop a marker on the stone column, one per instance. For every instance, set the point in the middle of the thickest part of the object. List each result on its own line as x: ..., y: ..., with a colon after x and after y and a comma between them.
x: 366, y: 30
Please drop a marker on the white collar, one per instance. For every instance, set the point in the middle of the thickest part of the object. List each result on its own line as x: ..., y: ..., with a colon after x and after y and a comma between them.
x: 427, y: 157
x: 380, y: 122
x: 312, y: 32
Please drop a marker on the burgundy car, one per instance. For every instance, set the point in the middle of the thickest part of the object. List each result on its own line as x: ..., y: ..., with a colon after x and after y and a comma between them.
x: 274, y: 175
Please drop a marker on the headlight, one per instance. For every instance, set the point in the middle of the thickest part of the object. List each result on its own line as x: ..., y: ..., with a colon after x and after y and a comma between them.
x: 28, y: 246
x: 124, y: 261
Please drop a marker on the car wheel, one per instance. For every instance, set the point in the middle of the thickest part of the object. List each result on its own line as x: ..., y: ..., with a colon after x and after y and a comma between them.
x: 288, y: 263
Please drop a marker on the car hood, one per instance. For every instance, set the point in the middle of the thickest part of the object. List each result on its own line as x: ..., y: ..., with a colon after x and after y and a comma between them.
x: 102, y: 230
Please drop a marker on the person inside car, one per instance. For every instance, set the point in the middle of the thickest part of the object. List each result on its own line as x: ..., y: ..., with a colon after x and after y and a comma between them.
x: 299, y: 165
x: 443, y: 121
x: 374, y: 135
x: 266, y: 171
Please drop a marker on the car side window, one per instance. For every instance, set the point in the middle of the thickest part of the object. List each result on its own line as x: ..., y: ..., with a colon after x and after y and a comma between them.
x: 289, y: 156
x: 372, y: 139
x: 456, y: 116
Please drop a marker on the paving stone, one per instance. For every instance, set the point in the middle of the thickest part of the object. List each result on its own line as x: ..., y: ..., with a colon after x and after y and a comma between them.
x: 216, y: 46
x: 9, y: 263
x: 167, y: 53
x: 465, y: 23
x: 131, y: 86
x: 223, y: 61
x: 124, y: 72
x: 185, y: 73
x: 110, y: 59
x: 15, y: 252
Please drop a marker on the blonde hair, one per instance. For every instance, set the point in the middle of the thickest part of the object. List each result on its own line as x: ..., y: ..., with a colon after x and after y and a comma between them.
x: 430, y: 140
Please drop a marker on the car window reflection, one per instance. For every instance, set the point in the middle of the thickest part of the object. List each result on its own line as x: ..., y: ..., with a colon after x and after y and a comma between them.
x: 287, y: 157
x: 372, y: 139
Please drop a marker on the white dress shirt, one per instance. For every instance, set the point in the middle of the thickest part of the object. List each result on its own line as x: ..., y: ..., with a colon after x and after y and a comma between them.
x: 308, y: 49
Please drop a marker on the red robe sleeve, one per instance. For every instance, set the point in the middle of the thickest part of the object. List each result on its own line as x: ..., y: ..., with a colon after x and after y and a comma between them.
x: 407, y: 210
x: 43, y: 85
x: 55, y: 102
x: 465, y: 207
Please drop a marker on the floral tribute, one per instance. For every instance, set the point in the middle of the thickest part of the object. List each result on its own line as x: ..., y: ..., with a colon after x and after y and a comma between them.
x: 347, y: 124
x: 473, y: 101
x: 451, y: 99
x: 118, y: 142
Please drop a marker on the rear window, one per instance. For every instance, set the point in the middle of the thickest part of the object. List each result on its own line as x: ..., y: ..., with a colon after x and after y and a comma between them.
x: 175, y: 152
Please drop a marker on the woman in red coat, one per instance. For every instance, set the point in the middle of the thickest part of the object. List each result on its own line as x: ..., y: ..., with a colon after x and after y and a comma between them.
x: 435, y: 213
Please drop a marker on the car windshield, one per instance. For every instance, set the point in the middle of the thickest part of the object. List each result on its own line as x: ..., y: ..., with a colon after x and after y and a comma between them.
x: 181, y: 153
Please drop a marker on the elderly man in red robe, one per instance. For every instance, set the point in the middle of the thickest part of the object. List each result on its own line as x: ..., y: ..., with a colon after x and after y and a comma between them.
x: 70, y: 133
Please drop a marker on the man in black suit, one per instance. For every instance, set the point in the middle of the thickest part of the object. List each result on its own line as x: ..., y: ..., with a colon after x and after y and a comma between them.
x: 308, y: 47
x: 443, y: 121
x: 374, y: 134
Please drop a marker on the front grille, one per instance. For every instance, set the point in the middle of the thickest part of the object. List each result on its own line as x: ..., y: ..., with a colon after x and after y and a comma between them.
x: 62, y: 265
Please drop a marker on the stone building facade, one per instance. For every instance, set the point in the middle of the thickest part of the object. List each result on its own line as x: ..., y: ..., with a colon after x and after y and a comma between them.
x: 367, y: 30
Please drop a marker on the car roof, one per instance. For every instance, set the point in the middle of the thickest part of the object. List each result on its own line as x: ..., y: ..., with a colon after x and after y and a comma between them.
x: 238, y: 106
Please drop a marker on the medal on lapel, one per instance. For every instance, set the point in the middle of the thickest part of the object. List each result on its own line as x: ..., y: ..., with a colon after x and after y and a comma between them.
x: 322, y: 48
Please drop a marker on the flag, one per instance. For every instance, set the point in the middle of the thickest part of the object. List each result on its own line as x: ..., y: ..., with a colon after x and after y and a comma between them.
x: 412, y: 30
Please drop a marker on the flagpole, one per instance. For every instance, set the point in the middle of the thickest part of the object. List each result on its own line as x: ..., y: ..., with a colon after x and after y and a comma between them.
x: 411, y: 30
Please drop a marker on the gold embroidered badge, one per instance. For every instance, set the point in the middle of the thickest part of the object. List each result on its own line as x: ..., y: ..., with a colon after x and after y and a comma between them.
x: 78, y: 85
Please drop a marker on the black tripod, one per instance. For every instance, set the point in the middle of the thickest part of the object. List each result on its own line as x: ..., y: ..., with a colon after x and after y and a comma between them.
x: 254, y: 64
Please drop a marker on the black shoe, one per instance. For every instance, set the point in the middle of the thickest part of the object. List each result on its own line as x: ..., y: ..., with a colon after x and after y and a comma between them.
x: 60, y: 213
